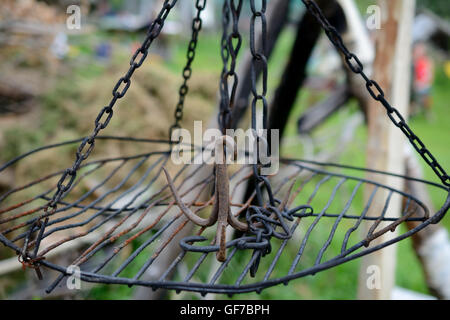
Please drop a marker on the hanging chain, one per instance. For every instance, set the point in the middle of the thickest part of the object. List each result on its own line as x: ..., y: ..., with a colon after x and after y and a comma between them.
x: 101, y: 122
x: 376, y: 92
x: 225, y: 55
x: 105, y: 114
x: 259, y: 61
x: 230, y: 47
x: 187, y: 70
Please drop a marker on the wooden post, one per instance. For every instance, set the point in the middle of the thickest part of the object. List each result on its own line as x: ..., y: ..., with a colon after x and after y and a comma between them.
x: 386, y: 142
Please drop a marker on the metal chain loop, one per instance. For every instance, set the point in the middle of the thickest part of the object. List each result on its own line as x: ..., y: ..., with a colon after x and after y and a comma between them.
x: 376, y: 92
x: 259, y: 60
x: 105, y: 115
x: 187, y: 70
x: 225, y: 55
x: 231, y: 43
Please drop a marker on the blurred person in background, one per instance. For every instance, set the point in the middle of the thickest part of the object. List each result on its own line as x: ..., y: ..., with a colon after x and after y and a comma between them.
x: 423, y: 80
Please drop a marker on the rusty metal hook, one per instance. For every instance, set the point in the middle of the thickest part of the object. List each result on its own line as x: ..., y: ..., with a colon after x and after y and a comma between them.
x: 221, y: 212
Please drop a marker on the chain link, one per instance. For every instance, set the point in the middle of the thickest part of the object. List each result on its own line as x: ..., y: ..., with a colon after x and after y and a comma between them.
x: 104, y: 117
x: 231, y: 43
x: 259, y: 61
x: 187, y: 70
x: 376, y: 92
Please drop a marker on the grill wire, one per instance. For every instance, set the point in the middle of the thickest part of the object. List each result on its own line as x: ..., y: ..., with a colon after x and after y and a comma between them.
x: 130, y: 217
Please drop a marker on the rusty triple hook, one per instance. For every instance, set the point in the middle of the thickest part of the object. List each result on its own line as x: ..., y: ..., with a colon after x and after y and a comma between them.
x: 221, y: 212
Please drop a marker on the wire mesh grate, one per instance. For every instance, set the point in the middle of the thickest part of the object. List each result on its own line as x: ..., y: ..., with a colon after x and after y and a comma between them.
x: 123, y: 220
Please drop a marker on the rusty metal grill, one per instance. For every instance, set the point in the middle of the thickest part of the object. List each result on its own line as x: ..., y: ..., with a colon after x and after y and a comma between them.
x: 130, y: 217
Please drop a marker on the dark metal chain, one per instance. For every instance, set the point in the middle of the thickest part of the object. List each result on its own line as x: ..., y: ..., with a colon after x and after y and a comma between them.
x: 259, y: 62
x: 103, y: 118
x: 376, y: 92
x: 187, y: 70
x: 230, y: 46
x: 105, y: 114
x: 225, y: 55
